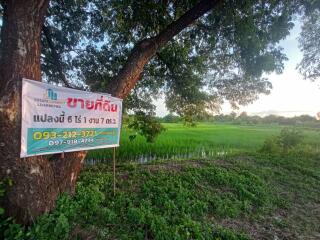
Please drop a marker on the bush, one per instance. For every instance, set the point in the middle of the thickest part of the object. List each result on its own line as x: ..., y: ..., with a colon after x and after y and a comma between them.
x: 289, y: 138
x: 286, y: 141
x: 2, y: 191
x: 84, y: 208
x: 8, y: 228
x: 270, y: 145
x: 145, y: 125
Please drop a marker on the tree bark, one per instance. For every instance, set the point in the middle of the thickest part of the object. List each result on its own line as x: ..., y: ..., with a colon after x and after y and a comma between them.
x: 36, y: 181
x: 141, y: 54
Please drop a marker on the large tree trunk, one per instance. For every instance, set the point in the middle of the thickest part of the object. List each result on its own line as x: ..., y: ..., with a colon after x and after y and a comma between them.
x: 37, y: 181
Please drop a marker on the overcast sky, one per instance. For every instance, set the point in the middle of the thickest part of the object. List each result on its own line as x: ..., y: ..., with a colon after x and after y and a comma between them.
x: 291, y: 94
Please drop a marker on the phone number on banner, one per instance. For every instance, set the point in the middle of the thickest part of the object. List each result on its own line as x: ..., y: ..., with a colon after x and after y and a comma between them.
x: 71, y: 141
x: 64, y: 134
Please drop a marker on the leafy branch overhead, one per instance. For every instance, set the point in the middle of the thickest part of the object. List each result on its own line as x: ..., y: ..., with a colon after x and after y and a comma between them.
x: 198, y: 53
x: 310, y: 45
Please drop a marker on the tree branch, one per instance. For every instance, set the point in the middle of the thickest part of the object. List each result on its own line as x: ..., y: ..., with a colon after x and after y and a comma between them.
x: 164, y: 62
x: 141, y: 54
x: 55, y: 55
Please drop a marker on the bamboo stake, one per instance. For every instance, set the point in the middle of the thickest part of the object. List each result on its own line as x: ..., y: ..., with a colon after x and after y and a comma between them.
x: 114, y: 171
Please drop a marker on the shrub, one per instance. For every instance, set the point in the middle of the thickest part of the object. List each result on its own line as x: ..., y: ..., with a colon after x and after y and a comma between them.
x: 286, y: 141
x: 8, y: 228
x: 289, y: 138
x: 1, y: 195
x: 270, y: 145
x: 145, y: 125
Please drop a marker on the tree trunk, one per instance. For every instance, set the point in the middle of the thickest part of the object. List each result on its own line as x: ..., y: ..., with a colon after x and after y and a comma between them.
x: 36, y: 181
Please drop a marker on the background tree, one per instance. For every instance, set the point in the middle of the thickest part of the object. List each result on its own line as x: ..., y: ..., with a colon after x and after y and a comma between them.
x: 197, y: 53
x: 171, y: 118
x: 309, y: 41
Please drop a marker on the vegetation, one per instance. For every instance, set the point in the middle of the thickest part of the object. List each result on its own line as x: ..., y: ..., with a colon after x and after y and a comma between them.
x: 309, y: 45
x: 146, y: 126
x: 198, y: 54
x: 245, y: 119
x: 2, y: 191
x: 180, y: 57
x: 287, y: 140
x: 206, y: 140
x: 247, y: 195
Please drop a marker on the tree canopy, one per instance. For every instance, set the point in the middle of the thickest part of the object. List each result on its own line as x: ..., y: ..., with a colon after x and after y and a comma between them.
x: 220, y: 57
x: 309, y: 42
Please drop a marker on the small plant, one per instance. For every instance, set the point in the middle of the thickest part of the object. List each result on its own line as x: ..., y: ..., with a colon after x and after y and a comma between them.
x: 289, y: 138
x: 271, y: 145
x: 2, y: 191
x: 145, y: 125
x: 8, y: 228
x: 286, y: 141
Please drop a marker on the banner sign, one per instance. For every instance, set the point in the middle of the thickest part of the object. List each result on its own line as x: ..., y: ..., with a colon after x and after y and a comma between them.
x: 58, y: 119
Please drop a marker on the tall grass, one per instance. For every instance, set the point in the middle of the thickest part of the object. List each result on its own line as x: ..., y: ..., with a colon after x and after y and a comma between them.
x: 205, y: 140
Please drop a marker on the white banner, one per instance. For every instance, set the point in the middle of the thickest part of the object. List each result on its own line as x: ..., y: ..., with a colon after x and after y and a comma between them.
x: 58, y: 119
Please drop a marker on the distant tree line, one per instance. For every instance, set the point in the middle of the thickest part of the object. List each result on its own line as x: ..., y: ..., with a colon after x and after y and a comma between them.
x: 244, y: 118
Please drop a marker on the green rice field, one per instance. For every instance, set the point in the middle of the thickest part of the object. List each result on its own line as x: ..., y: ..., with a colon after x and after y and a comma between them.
x: 204, y: 140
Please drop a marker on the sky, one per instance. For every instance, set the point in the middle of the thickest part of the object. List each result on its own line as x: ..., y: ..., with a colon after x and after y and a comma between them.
x: 291, y: 94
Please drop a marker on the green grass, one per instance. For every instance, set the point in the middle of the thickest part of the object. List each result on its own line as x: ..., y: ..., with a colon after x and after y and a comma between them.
x: 238, y: 196
x: 207, y: 139
x: 176, y: 202
x: 157, y: 201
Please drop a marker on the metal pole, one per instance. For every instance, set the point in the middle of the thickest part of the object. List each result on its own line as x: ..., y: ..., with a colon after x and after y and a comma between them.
x: 114, y: 171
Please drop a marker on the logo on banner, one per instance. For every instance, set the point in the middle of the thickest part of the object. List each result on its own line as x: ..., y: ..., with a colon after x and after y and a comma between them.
x: 49, y: 99
x: 51, y: 94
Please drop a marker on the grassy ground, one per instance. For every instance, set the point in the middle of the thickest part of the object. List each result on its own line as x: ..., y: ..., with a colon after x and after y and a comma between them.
x: 244, y: 195
x: 241, y: 197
